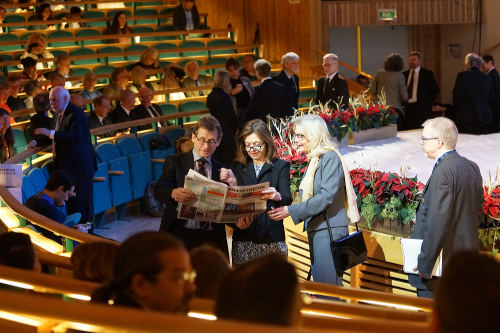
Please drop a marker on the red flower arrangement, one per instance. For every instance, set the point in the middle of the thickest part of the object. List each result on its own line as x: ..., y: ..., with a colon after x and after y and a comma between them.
x: 489, y: 229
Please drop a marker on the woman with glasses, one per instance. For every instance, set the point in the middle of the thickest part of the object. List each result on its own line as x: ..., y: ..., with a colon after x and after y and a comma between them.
x: 326, y: 191
x: 256, y: 163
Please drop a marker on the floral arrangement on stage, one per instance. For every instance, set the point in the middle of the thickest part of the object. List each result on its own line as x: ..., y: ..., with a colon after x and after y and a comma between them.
x: 489, y: 229
x: 386, y: 196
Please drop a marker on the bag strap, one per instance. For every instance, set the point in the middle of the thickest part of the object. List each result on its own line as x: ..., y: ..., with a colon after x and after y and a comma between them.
x: 329, y: 228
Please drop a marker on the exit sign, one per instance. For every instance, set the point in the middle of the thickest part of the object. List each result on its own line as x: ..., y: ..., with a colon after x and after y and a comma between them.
x: 387, y: 14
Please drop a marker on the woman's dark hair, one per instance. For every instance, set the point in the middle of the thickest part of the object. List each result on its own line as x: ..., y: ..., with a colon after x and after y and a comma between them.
x: 40, y: 9
x: 393, y: 63
x: 31, y: 46
x: 232, y: 62
x: 265, y: 290
x: 30, y: 87
x: 137, y: 255
x: 255, y: 126
x: 115, y: 26
x: 17, y: 251
x: 211, y: 266
x: 41, y: 103
x: 94, y: 261
x: 28, y: 61
x: 7, y: 137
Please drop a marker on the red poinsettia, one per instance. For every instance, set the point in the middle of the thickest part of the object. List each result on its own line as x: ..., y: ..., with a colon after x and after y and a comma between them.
x: 491, y: 204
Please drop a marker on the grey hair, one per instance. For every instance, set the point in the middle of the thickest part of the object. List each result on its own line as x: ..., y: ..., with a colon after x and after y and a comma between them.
x: 316, y: 132
x: 61, y: 90
x: 444, y: 129
x: 289, y: 56
x: 223, y: 81
x: 332, y: 56
x: 472, y: 60
x: 263, y: 67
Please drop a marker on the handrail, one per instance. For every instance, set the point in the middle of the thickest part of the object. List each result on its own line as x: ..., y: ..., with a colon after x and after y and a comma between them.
x: 85, y: 2
x: 53, y: 259
x: 346, y: 65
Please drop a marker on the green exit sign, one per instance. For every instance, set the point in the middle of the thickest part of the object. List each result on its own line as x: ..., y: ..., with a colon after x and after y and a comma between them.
x: 387, y: 14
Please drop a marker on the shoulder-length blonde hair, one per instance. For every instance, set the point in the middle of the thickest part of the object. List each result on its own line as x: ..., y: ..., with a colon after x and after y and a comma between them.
x: 258, y: 127
x: 315, y: 130
x: 223, y: 81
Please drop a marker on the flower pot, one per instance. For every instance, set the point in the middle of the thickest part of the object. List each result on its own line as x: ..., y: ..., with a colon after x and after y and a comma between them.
x: 373, y: 134
x: 388, y: 227
x: 342, y: 143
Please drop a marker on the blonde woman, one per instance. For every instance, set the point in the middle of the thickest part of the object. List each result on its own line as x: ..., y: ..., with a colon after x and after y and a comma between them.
x: 326, y: 191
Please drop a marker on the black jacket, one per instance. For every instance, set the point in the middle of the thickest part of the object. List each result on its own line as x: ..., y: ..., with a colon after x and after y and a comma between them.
x: 94, y: 122
x: 263, y: 229
x: 40, y: 121
x: 118, y: 115
x: 180, y: 18
x: 427, y: 91
x: 140, y: 112
x: 495, y: 103
x: 333, y: 92
x: 292, y: 89
x: 270, y: 98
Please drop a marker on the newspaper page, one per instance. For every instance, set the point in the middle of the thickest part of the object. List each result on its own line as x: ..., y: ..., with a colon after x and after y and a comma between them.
x: 217, y: 202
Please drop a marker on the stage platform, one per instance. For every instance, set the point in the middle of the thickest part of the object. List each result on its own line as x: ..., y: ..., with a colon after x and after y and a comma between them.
x: 405, y: 151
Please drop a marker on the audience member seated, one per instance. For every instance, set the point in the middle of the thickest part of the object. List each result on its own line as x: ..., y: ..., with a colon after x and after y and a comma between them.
x: 75, y: 13
x: 56, y: 80
x: 149, y: 59
x: 29, y: 70
x: 248, y: 70
x: 122, y: 112
x: 363, y: 81
x: 263, y: 291
x: 6, y: 137
x: 4, y: 96
x: 138, y: 77
x: 119, y: 82
x: 62, y: 67
x: 186, y: 16
x: 467, y: 298
x: 152, y: 271
x: 31, y: 88
x: 59, y: 187
x: 242, y: 88
x: 42, y: 13
x: 77, y: 100
x: 147, y: 109
x: 94, y: 261
x: 99, y: 117
x: 119, y: 27
x: 41, y: 119
x: 36, y: 49
x: 172, y: 74
x: 16, y: 250
x: 89, y: 82
x: 195, y: 80
x: 211, y: 266
x: 14, y: 101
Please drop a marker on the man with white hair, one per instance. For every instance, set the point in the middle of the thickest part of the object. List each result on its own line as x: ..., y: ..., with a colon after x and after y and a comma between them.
x: 472, y: 95
x: 73, y: 151
x: 288, y: 77
x: 332, y: 90
x: 194, y: 79
x: 450, y: 209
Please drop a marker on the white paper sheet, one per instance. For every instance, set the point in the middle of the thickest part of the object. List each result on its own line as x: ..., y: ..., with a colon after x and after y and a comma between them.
x: 411, y: 250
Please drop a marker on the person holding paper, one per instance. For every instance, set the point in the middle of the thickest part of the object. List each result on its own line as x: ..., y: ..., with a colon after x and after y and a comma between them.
x: 450, y: 209
x: 326, y: 192
x: 256, y: 163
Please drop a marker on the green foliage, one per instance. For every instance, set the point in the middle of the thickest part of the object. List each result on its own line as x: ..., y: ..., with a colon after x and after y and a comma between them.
x: 370, y: 209
x: 391, y: 209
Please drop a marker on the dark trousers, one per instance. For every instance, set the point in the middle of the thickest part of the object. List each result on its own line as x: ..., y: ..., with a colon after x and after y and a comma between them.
x: 416, y: 114
x: 83, y: 202
x: 476, y: 128
x: 425, y: 287
x: 194, y: 238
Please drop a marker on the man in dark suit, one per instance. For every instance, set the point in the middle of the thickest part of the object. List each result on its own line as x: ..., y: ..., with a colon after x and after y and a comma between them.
x: 147, y: 109
x: 450, y: 210
x: 206, y: 137
x: 422, y: 91
x: 99, y: 117
x: 186, y: 16
x: 270, y: 97
x: 194, y: 79
x: 73, y: 151
x: 472, y: 96
x: 288, y: 77
x: 489, y: 69
x: 332, y: 88
x: 122, y: 113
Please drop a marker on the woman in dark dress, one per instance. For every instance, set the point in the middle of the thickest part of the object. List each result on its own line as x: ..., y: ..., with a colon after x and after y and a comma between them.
x: 256, y: 163
x: 223, y: 107
x: 41, y: 119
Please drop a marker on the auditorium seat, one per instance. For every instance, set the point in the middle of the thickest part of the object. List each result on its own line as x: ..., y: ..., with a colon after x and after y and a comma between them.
x: 103, y: 70
x: 57, y: 53
x: 87, y: 33
x: 174, y: 134
x: 20, y: 143
x: 9, y: 38
x: 110, y: 49
x: 102, y: 195
x: 192, y: 44
x: 192, y: 106
x: 133, y: 48
x: 145, y: 12
x: 83, y: 51
x: 27, y: 188
x: 14, y: 18
x: 221, y: 42
x: 95, y: 14
x: 37, y: 179
x: 156, y: 154
x: 139, y: 163
x: 80, y: 71
x: 167, y: 27
x: 168, y: 109
x: 61, y: 34
x: 216, y: 61
x: 163, y: 50
x: 140, y: 30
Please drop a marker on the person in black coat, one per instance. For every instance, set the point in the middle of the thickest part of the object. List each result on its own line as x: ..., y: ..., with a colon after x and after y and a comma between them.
x: 270, y: 97
x: 99, y: 117
x: 489, y: 68
x: 223, y: 107
x: 472, y: 96
x: 332, y: 89
x: 73, y: 150
x: 288, y: 77
x: 256, y: 163
x: 422, y: 91
x: 41, y: 119
x: 146, y: 109
x: 186, y: 16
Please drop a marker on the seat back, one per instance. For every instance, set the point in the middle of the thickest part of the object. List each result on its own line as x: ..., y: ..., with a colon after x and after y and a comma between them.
x: 128, y: 146
x: 61, y: 34
x: 83, y: 51
x: 107, y: 152
x: 9, y: 38
x: 87, y: 33
x: 174, y: 134
x: 95, y: 14
x: 27, y: 188
x: 110, y: 49
x: 102, y: 195
x: 167, y: 109
x: 140, y: 30
x: 192, y: 44
x: 192, y: 106
x: 167, y: 28
x: 222, y: 42
x: 217, y: 61
x: 146, y: 12
x: 20, y: 143
x: 133, y: 48
x: 145, y: 141
x: 163, y: 50
x: 37, y: 179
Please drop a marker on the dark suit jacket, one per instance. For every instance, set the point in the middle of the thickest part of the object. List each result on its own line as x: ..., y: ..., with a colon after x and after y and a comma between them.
x: 74, y: 150
x: 140, y: 112
x: 270, y: 98
x: 472, y: 95
x: 94, y: 122
x: 333, y: 91
x: 292, y: 89
x: 175, y: 169
x: 449, y: 212
x: 180, y: 18
x: 427, y: 91
x: 40, y: 121
x: 495, y: 103
x: 118, y: 115
x: 188, y: 82
x: 221, y: 107
x: 263, y: 229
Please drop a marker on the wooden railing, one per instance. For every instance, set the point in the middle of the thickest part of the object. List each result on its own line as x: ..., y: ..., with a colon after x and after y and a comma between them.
x: 86, y: 2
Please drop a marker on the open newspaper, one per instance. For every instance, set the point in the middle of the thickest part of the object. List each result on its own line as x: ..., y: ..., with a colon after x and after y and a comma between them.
x: 218, y: 202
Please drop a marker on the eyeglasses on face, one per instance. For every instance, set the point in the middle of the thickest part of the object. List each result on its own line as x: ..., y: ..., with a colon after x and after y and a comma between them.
x: 423, y: 139
x: 184, y: 277
x: 254, y: 147
x: 203, y: 141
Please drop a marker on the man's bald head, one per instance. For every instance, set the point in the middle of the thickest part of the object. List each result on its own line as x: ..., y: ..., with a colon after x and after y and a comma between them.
x: 145, y: 96
x: 59, y: 99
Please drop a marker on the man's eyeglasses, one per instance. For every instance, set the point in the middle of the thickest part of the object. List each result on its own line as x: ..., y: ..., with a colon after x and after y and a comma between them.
x: 184, y: 277
x: 298, y: 137
x: 203, y: 142
x: 423, y: 139
x: 254, y: 147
